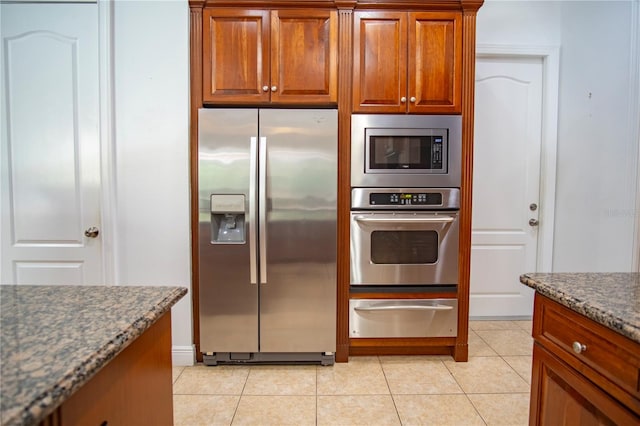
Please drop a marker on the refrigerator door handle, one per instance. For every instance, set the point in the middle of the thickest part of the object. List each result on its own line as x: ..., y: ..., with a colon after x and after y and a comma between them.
x: 253, y: 250
x: 262, y: 206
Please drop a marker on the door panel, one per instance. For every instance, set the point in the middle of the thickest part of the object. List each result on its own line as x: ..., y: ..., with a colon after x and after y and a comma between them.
x: 508, y: 125
x: 298, y: 299
x: 66, y: 273
x: 235, y: 55
x: 435, y: 70
x: 304, y: 49
x: 50, y: 144
x: 228, y: 299
x: 380, y: 61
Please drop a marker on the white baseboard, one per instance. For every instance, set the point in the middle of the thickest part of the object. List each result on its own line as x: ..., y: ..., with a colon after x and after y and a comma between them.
x: 183, y: 355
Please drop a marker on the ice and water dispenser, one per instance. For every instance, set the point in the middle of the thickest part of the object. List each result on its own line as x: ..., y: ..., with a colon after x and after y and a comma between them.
x: 227, y: 219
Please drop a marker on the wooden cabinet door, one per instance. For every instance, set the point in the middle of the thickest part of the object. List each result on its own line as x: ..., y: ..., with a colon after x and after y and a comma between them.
x: 235, y: 59
x: 304, y: 49
x: 562, y: 396
x: 435, y: 62
x: 380, y: 62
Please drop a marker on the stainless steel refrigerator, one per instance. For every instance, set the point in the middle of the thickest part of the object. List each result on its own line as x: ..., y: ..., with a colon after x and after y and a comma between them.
x: 267, y: 187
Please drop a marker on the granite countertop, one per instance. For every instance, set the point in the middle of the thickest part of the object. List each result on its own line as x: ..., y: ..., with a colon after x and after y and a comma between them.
x: 55, y: 338
x: 610, y: 299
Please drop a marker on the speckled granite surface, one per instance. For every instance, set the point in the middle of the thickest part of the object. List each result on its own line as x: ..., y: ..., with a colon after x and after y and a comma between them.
x: 610, y: 299
x: 55, y: 338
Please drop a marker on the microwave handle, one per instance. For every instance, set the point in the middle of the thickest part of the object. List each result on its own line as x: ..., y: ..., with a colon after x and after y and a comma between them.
x: 404, y: 308
x: 404, y: 220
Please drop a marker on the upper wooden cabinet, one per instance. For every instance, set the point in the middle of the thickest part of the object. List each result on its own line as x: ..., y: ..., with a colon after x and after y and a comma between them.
x: 407, y: 62
x: 277, y: 56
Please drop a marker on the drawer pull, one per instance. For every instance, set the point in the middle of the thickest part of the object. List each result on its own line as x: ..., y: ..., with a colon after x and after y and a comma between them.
x: 404, y: 308
x: 579, y: 347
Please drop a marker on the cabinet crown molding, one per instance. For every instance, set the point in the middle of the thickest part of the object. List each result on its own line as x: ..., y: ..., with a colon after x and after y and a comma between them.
x: 466, y: 5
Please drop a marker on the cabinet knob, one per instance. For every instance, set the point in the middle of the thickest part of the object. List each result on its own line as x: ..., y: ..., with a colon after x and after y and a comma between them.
x: 412, y: 99
x: 579, y: 347
x: 265, y: 88
x: 274, y: 88
x: 403, y: 99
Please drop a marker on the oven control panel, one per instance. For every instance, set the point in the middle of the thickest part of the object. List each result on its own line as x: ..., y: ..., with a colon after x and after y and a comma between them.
x: 405, y: 198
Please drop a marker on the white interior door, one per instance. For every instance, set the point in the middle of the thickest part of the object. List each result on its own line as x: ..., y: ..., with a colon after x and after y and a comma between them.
x: 50, y: 144
x: 506, y: 182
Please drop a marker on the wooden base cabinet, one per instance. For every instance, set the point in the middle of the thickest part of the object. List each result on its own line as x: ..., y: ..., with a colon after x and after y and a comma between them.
x: 269, y: 56
x: 583, y: 373
x: 135, y: 388
x: 407, y: 62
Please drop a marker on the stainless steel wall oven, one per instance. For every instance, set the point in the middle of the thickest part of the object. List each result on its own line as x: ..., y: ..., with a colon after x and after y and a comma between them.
x: 406, y: 236
x: 405, y: 202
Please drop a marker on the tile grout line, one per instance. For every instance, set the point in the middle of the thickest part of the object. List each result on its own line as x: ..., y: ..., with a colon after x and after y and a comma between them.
x: 464, y: 392
x: 393, y: 399
x: 235, y: 411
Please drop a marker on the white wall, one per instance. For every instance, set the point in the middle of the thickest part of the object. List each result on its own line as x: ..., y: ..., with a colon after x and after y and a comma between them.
x: 151, y: 64
x: 597, y: 157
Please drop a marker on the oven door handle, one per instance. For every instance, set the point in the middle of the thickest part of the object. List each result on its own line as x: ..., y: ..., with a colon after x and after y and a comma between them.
x: 404, y: 308
x: 365, y: 219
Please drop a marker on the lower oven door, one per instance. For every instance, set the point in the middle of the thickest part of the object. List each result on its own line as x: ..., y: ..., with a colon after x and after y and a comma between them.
x: 403, y: 318
x: 404, y: 248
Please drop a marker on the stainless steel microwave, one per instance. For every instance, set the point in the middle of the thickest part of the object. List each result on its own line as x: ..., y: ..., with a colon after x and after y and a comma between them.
x: 405, y: 150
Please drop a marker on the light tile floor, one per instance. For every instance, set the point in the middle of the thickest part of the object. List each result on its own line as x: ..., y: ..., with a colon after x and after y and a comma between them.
x: 491, y: 389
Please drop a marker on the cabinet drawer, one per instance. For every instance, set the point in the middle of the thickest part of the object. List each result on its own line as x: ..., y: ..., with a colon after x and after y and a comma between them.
x: 382, y: 318
x: 579, y: 340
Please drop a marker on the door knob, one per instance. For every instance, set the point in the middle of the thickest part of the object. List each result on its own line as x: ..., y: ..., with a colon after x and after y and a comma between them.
x: 265, y: 88
x: 91, y: 232
x: 533, y: 222
x: 403, y: 99
x: 412, y: 99
x: 533, y: 207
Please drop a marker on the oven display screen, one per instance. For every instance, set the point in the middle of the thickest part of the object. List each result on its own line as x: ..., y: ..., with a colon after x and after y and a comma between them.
x: 415, y: 199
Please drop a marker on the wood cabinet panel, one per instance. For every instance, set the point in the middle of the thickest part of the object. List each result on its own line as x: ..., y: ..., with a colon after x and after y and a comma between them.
x: 607, y: 353
x: 135, y: 388
x: 304, y: 56
x: 561, y: 396
x: 407, y: 62
x: 262, y: 56
x: 380, y: 64
x: 235, y: 55
x: 435, y: 65
x: 598, y: 382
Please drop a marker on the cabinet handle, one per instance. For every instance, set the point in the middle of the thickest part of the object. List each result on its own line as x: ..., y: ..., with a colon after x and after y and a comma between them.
x: 413, y: 99
x: 265, y: 88
x: 404, y: 308
x: 274, y: 88
x: 403, y: 99
x: 579, y: 347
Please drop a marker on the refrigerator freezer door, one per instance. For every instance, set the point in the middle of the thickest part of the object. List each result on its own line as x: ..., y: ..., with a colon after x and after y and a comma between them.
x: 228, y: 301
x: 298, y: 296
